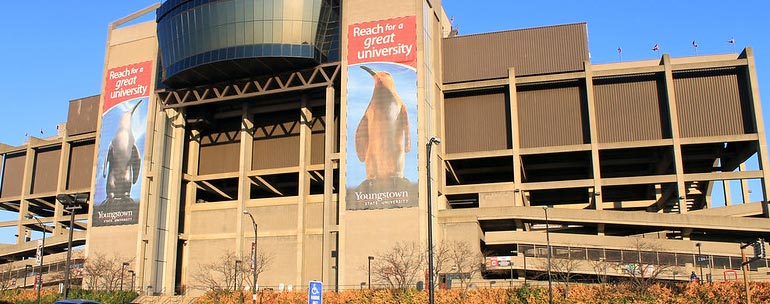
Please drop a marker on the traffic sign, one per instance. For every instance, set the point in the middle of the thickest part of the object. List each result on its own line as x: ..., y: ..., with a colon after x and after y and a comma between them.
x: 315, y: 292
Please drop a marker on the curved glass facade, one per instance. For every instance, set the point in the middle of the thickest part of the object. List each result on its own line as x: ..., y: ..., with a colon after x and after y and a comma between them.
x: 195, y: 33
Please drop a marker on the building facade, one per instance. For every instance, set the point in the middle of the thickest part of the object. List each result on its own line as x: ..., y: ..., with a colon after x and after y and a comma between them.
x: 312, y: 117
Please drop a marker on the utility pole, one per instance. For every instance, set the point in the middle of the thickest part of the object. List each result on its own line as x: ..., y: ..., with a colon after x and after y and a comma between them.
x: 133, y: 275
x: 371, y: 258
x: 700, y: 263
x: 39, y: 277
x: 235, y: 281
x: 745, y: 268
x: 548, y: 244
x: 122, y: 272
x: 73, y: 202
x: 429, y: 145
x: 255, y: 286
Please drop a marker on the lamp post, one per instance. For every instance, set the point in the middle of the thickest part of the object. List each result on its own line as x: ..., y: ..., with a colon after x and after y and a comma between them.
x: 454, y: 274
x: 525, y: 267
x: 548, y: 245
x: 700, y: 263
x: 371, y: 258
x: 133, y: 275
x: 39, y: 280
x: 27, y: 269
x: 122, y: 271
x: 336, y: 255
x: 511, y: 265
x: 428, y: 146
x: 253, y: 258
x: 235, y: 281
x: 73, y: 202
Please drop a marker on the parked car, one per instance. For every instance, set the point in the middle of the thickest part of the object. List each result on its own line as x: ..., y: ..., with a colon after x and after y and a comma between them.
x: 76, y: 302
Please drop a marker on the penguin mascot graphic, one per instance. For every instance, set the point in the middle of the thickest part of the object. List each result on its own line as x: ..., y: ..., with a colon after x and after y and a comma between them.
x: 382, y: 137
x: 122, y: 162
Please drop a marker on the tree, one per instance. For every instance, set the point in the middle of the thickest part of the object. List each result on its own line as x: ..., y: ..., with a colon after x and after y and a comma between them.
x: 7, y: 280
x: 220, y: 275
x: 645, y: 270
x: 400, y: 266
x: 600, y: 269
x: 76, y: 270
x: 563, y: 268
x: 103, y: 272
x: 464, y: 261
x: 440, y: 262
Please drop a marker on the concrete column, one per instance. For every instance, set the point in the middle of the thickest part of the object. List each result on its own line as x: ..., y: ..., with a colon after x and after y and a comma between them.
x: 518, y: 199
x: 330, y: 202
x: 173, y: 184
x: 596, y: 169
x: 191, y: 196
x: 756, y: 104
x: 305, y: 133
x: 61, y: 185
x: 26, y: 182
x: 244, y: 185
x: 674, y: 119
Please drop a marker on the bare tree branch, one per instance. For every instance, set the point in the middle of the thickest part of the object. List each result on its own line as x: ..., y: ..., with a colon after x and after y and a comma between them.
x: 464, y: 261
x: 400, y: 266
x: 221, y: 274
x: 6, y: 278
x: 103, y: 272
x: 645, y: 270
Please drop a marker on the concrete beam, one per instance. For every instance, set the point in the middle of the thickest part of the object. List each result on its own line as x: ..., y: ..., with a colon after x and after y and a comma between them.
x: 619, y: 218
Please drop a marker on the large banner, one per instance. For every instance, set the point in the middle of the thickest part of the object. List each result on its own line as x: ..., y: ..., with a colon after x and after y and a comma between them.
x: 382, y: 168
x: 121, y: 145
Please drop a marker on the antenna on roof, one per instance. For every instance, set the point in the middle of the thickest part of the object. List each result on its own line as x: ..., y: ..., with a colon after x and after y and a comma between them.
x: 732, y: 43
x: 620, y: 54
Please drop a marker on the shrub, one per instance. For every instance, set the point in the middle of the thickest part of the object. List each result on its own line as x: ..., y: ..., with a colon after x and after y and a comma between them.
x: 682, y: 293
x: 48, y: 296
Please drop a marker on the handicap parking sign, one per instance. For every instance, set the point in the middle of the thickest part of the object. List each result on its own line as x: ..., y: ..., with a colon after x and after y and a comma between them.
x: 315, y: 292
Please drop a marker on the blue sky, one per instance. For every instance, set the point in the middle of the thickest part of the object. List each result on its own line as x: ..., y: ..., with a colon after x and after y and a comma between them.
x: 53, y: 51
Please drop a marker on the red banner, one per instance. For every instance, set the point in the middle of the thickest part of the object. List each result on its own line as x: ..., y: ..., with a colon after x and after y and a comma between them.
x: 391, y: 40
x: 127, y: 82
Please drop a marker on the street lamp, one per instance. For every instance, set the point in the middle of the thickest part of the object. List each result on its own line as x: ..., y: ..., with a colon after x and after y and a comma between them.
x: 253, y: 258
x: 431, y: 141
x: 122, y: 271
x: 700, y: 263
x: 39, y: 280
x: 72, y: 202
x: 133, y: 275
x: 454, y: 275
x: 510, y: 263
x: 371, y: 258
x: 548, y: 245
x: 525, y: 266
x: 27, y: 269
x: 235, y: 281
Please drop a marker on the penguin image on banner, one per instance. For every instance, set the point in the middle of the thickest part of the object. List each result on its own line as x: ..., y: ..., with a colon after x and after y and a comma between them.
x: 382, y: 136
x: 382, y: 168
x: 119, y: 164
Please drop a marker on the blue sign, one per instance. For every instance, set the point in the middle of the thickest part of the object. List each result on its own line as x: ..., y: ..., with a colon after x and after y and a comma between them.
x: 315, y: 292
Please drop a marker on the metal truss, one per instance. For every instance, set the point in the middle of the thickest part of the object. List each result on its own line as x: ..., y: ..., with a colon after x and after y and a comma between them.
x: 320, y: 76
